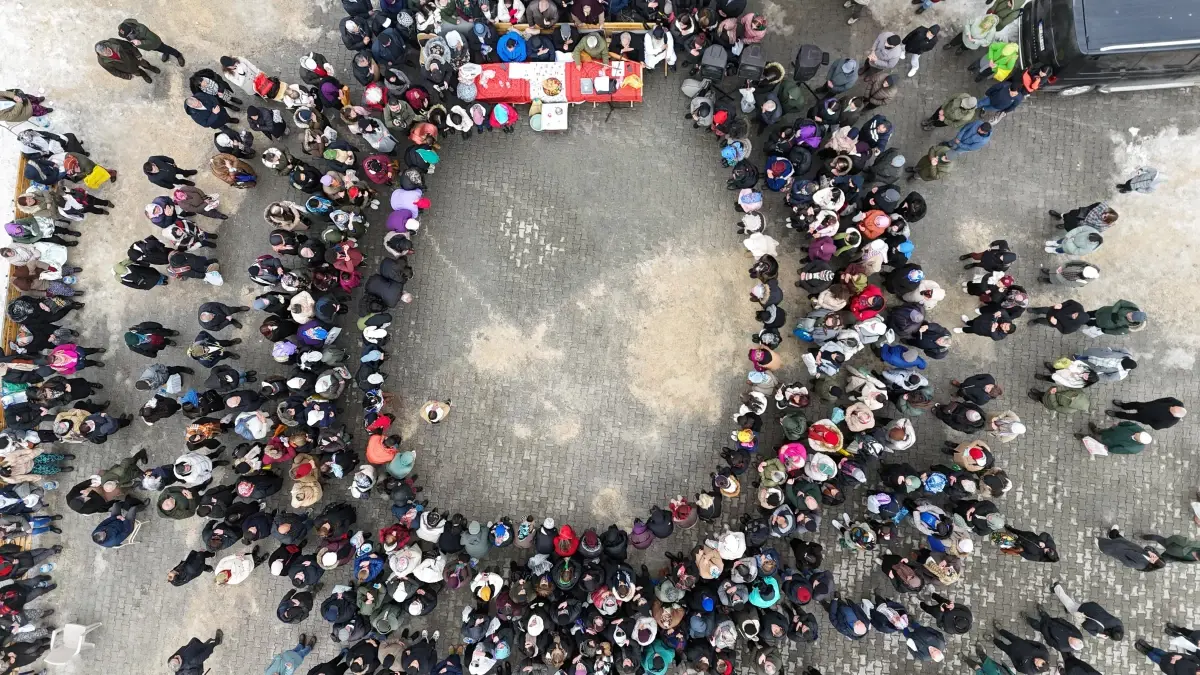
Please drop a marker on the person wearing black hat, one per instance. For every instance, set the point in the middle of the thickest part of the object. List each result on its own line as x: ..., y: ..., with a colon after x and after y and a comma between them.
x: 996, y: 258
x: 951, y: 617
x: 920, y: 40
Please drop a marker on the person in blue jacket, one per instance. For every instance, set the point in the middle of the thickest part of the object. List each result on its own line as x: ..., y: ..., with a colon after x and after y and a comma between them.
x: 511, y: 47
x: 207, y: 111
x: 847, y: 618
x: 116, y: 528
x: 971, y: 136
x: 1002, y: 97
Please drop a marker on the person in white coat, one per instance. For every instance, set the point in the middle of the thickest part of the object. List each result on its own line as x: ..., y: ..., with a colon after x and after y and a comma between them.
x: 658, y: 46
x: 234, y: 569
x: 194, y: 469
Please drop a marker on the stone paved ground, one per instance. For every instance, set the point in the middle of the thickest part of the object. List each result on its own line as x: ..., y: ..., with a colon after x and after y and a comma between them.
x: 580, y: 297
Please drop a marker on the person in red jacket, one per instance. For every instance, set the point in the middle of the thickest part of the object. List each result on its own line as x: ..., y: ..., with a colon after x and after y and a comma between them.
x: 867, y: 304
x: 565, y: 542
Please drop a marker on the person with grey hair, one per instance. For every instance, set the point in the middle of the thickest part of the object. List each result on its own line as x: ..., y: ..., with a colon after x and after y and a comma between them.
x: 1072, y: 273
x: 189, y: 659
x: 120, y: 58
x: 1145, y: 180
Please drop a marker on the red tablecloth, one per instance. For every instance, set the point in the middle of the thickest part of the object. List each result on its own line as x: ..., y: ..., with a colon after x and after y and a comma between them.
x: 502, y: 89
x: 575, y: 74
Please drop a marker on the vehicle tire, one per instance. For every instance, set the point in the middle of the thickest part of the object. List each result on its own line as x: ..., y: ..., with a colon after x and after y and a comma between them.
x: 1076, y: 91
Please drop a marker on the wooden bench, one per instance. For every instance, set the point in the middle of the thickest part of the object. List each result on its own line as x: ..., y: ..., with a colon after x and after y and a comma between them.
x: 9, y: 331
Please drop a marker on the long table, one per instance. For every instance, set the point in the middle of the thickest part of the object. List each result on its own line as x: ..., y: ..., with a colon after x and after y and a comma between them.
x: 499, y: 87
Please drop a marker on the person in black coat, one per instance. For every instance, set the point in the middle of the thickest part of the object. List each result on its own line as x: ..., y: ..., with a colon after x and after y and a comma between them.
x: 208, y: 112
x: 162, y: 171
x: 1067, y: 316
x: 932, y: 338
x: 996, y: 325
x: 952, y: 618
x: 920, y: 40
x: 1071, y: 665
x: 1056, y: 631
x: 148, y: 251
x: 1161, y: 413
x: 295, y: 606
x: 960, y: 416
x: 189, y: 659
x: 216, y: 315
x: 997, y: 257
x: 977, y: 389
x: 190, y: 568
x: 148, y: 338
x: 269, y: 122
x: 1028, y: 657
x: 1171, y: 663
x: 1096, y: 620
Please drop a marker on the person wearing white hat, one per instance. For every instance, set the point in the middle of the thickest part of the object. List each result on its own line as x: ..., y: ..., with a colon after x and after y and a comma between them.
x: 1005, y: 426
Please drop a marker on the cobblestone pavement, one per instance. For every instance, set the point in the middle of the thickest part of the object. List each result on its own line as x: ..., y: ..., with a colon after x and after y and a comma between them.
x: 581, y: 299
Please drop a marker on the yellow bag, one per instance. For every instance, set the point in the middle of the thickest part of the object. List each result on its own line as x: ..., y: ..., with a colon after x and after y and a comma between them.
x: 99, y: 176
x: 1062, y: 362
x: 632, y: 81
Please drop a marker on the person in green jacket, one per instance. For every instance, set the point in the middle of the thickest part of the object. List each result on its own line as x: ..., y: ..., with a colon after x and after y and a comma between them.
x: 147, y: 40
x: 1062, y: 400
x: 934, y: 165
x: 998, y: 62
x: 1124, y: 438
x: 288, y: 663
x: 1007, y: 11
x: 1176, y: 548
x: 1120, y: 318
x: 657, y: 658
x: 960, y: 109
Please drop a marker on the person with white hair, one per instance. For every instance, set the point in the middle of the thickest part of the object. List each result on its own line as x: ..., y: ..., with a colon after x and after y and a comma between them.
x: 1006, y: 426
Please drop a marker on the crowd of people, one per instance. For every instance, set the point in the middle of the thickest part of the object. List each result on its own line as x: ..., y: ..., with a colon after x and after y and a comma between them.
x: 574, y: 601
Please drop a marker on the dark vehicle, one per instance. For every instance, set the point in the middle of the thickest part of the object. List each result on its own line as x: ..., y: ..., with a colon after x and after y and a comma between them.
x: 1112, y: 45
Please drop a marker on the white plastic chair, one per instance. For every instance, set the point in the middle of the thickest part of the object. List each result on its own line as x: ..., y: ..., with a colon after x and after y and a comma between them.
x: 132, y: 538
x: 72, y: 643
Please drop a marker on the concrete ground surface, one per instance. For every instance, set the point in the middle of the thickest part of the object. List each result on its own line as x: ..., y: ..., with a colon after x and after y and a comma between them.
x: 581, y: 298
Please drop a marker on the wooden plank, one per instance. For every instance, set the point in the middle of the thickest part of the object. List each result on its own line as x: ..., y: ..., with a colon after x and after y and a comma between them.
x: 609, y: 28
x: 9, y: 332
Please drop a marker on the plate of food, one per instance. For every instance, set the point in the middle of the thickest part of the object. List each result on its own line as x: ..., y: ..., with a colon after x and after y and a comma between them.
x: 552, y: 86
